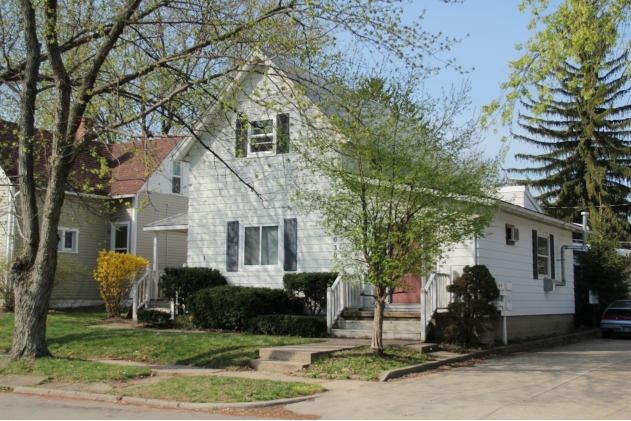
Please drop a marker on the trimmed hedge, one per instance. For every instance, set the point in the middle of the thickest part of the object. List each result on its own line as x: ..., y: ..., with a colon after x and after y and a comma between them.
x: 312, y: 286
x: 231, y: 307
x: 183, y: 282
x: 153, y: 317
x: 288, y: 325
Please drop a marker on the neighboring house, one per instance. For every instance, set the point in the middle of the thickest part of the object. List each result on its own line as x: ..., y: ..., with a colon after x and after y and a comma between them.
x: 113, y: 190
x: 254, y: 235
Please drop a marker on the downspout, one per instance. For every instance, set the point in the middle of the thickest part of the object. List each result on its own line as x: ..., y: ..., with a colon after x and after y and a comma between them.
x: 582, y: 247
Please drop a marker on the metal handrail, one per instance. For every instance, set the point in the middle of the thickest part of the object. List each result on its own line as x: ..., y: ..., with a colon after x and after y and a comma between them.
x: 340, y: 296
x: 434, y: 296
x: 141, y: 292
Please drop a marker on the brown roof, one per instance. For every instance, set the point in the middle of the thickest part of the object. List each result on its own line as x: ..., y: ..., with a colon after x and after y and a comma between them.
x: 104, y: 169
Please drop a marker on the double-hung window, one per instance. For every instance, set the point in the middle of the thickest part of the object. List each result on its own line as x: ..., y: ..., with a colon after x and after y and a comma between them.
x: 176, y: 178
x: 120, y: 237
x: 68, y: 240
x: 261, y: 137
x: 261, y: 246
x: 543, y: 256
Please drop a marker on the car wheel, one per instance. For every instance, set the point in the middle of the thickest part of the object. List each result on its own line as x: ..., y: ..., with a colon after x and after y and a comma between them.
x: 606, y: 334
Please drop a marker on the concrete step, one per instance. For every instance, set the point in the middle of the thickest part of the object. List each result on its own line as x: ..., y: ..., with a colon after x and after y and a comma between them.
x: 367, y: 334
x: 279, y: 354
x: 159, y: 305
x: 388, y: 325
x: 391, y: 315
x: 275, y: 366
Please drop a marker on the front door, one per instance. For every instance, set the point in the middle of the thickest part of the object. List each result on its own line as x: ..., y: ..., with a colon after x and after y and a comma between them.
x: 411, y: 293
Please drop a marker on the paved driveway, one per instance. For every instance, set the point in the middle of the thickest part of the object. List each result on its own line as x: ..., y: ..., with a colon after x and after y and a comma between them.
x: 586, y: 380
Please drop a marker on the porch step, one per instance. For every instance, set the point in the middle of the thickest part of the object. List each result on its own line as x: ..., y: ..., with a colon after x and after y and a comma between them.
x: 412, y: 326
x: 276, y: 366
x: 159, y: 305
x: 390, y: 315
x: 367, y: 334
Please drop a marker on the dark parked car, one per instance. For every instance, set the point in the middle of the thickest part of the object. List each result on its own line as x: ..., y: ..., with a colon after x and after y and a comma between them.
x: 616, y: 319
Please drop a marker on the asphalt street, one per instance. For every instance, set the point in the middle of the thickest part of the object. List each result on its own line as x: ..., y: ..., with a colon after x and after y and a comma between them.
x: 588, y: 380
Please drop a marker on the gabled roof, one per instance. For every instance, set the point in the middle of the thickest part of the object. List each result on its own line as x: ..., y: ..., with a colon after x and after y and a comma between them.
x: 310, y: 84
x: 123, y: 171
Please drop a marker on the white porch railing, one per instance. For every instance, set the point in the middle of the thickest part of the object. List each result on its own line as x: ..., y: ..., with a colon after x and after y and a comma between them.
x: 342, y: 294
x: 434, y: 296
x: 141, y: 292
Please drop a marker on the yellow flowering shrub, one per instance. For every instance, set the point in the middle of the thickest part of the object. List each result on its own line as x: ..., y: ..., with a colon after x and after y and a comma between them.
x: 116, y: 272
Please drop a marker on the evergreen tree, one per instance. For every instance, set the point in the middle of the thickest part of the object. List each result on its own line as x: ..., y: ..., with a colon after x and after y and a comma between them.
x: 584, y: 131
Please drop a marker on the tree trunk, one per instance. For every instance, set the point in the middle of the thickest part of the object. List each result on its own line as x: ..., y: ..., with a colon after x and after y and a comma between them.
x: 376, y: 345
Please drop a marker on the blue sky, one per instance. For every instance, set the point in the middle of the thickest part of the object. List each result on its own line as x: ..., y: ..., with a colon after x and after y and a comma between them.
x: 494, y: 28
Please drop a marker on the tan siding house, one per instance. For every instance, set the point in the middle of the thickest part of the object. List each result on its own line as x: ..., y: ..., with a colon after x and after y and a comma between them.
x: 141, y: 185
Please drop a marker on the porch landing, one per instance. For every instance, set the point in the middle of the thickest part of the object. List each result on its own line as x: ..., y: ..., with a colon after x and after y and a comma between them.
x: 287, y: 359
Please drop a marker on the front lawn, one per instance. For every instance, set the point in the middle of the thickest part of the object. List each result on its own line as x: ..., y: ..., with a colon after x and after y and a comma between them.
x: 69, y: 336
x: 221, y: 389
x: 70, y: 370
x: 361, y: 363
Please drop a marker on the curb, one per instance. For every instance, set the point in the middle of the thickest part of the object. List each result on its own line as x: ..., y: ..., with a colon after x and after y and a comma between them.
x: 540, y: 343
x: 156, y: 402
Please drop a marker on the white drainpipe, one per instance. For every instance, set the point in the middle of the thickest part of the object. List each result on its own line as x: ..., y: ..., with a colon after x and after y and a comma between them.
x: 582, y: 247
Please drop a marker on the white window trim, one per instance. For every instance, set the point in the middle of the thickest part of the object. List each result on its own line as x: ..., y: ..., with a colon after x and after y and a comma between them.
x: 113, y: 235
x: 547, y: 238
x: 251, y: 154
x: 181, y: 177
x: 261, y: 268
x: 62, y: 249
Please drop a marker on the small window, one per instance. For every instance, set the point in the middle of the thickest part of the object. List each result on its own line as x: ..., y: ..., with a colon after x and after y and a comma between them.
x: 176, y: 179
x: 68, y: 240
x: 261, y: 246
x: 543, y: 255
x: 261, y: 137
x: 120, y: 237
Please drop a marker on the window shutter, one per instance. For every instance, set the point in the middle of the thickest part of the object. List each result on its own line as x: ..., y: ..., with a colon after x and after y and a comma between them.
x: 232, y: 247
x: 282, y: 133
x: 241, y: 139
x: 535, y: 272
x: 552, y: 261
x: 291, y: 245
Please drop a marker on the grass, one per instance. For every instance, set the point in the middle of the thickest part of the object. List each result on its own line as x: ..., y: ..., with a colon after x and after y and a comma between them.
x: 221, y: 389
x: 360, y: 362
x: 70, y: 370
x: 69, y: 336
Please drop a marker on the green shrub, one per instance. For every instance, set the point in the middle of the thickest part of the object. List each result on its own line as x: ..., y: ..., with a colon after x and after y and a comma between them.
x: 178, y: 284
x: 311, y: 286
x: 231, y: 307
x: 288, y: 325
x: 474, y: 305
x: 153, y: 317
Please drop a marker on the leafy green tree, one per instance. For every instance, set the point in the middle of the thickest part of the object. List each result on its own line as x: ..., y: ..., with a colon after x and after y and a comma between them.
x: 605, y: 273
x: 138, y: 68
x: 474, y: 306
x: 572, y: 84
x: 396, y: 180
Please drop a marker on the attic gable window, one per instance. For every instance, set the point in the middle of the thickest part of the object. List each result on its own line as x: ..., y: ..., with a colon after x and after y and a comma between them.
x: 261, y: 137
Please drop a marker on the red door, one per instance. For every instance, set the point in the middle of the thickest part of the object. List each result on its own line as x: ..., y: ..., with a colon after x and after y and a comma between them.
x: 411, y: 293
